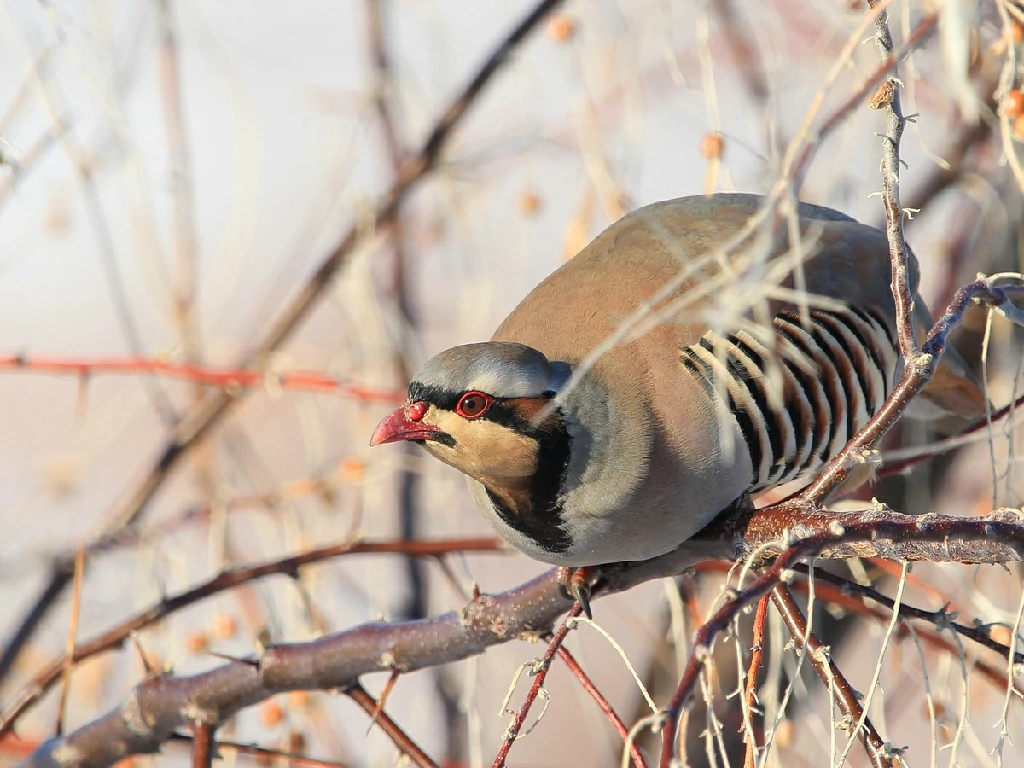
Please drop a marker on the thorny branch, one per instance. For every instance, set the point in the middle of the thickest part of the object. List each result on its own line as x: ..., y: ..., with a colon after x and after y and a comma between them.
x: 228, y: 379
x: 288, y: 566
x: 753, y: 670
x: 159, y: 704
x: 888, y: 98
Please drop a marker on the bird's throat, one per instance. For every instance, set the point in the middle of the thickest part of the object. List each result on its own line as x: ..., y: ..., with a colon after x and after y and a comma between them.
x: 533, y: 506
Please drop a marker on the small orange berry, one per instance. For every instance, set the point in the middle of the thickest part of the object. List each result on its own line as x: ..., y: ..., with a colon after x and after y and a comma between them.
x: 561, y: 27
x: 784, y: 733
x: 271, y: 714
x: 58, y: 217
x: 298, y: 699
x: 196, y: 642
x: 1016, y: 32
x: 352, y: 469
x: 712, y: 146
x: 1013, y: 104
x: 1001, y: 634
x: 1018, y: 128
x: 223, y: 626
x: 529, y: 203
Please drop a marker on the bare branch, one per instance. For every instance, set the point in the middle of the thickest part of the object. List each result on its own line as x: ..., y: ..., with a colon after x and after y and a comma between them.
x: 287, y: 566
x: 158, y: 704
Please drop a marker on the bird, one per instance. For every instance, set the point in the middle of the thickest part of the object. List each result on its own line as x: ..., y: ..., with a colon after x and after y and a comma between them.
x: 676, y: 365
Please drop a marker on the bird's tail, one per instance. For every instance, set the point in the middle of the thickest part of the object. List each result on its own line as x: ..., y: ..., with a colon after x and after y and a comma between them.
x: 954, y: 390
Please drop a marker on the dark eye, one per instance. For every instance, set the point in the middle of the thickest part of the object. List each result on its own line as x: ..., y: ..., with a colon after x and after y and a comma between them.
x: 473, y: 404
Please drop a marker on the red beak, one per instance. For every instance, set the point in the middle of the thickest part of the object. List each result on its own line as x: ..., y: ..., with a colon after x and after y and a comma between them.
x: 404, y: 424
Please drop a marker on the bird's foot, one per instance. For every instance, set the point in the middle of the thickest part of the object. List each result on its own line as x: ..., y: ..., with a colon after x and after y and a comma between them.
x: 577, y: 582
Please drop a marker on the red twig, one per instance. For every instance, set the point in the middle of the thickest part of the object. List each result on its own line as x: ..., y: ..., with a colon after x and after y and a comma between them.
x: 753, y: 670
x: 897, y: 467
x: 603, y: 703
x: 263, y: 752
x: 202, y: 745
x: 223, y: 378
x: 540, y: 673
x: 383, y: 700
x: 400, y: 738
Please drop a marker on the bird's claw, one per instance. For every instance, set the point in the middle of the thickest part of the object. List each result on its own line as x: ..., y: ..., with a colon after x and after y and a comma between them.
x: 577, y: 582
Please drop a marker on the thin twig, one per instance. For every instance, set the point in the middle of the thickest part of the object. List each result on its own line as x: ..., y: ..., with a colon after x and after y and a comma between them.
x: 753, y: 671
x: 207, y: 376
x: 69, y: 648
x: 603, y: 703
x: 823, y: 664
x: 399, y: 738
x: 180, y: 168
x: 293, y: 759
x: 540, y: 673
x: 895, y: 123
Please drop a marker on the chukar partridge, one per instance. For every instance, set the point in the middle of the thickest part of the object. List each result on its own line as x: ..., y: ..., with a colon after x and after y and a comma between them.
x: 690, y: 400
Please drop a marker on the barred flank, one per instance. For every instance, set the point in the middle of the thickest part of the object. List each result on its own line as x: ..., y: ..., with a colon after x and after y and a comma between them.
x: 799, y: 400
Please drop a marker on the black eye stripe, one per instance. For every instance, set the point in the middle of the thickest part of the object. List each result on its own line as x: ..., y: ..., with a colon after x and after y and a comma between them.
x: 442, y: 398
x: 500, y: 411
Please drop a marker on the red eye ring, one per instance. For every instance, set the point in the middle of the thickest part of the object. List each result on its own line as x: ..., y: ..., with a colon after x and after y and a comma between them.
x: 473, y: 404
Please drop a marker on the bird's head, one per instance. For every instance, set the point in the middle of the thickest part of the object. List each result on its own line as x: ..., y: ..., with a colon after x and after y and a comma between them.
x: 481, y: 408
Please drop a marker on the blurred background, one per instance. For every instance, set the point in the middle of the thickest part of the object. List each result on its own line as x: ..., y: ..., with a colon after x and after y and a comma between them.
x: 173, y: 173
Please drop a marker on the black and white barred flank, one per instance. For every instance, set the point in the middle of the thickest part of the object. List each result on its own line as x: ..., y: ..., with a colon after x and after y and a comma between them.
x: 799, y: 402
